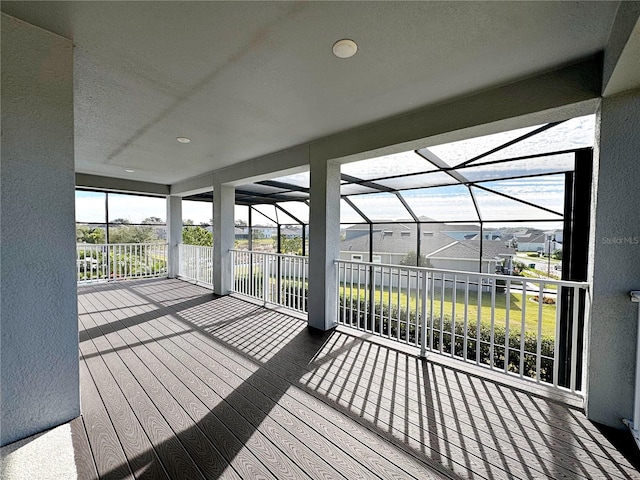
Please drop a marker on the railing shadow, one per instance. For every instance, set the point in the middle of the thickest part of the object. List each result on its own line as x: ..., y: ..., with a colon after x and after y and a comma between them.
x: 435, y: 414
x: 237, y: 403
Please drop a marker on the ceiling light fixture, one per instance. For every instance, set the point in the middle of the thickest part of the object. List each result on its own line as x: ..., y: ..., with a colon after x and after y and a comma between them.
x: 183, y: 140
x: 129, y: 170
x: 345, y: 48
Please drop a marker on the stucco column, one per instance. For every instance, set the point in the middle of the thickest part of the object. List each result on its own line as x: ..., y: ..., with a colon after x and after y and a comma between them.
x: 324, y: 243
x: 39, y: 385
x: 614, y: 261
x: 174, y: 233
x: 223, y: 236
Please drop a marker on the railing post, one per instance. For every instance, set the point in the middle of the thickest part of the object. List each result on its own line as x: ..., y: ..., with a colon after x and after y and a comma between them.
x: 109, y: 262
x: 265, y: 279
x: 197, y: 275
x: 279, y: 278
x: 423, y: 314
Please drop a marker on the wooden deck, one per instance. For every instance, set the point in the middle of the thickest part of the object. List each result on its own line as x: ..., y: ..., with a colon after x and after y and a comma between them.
x: 177, y: 383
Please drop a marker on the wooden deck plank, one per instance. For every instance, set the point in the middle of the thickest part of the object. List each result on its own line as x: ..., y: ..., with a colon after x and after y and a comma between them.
x: 179, y: 379
x: 202, y: 459
x: 378, y: 387
x: 372, y: 415
x: 83, y: 457
x: 142, y: 459
x: 338, y: 406
x: 396, y: 405
x: 418, y: 470
x: 241, y: 328
x: 269, y: 405
x: 174, y: 456
x: 479, y: 397
x: 259, y: 442
x: 386, y: 473
x: 191, y: 357
x: 380, y: 407
x: 109, y: 457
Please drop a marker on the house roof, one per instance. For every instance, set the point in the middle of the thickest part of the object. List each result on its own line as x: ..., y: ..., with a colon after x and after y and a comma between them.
x: 470, y: 249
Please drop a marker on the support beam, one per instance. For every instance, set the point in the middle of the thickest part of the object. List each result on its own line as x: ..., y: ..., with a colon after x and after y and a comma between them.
x: 223, y: 236
x: 120, y: 184
x: 39, y: 384
x: 614, y: 266
x: 621, y: 70
x: 174, y: 233
x: 324, y: 244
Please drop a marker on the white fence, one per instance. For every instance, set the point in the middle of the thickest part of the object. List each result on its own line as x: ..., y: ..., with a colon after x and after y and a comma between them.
x: 530, y: 328
x: 196, y: 264
x: 271, y: 277
x: 100, y: 262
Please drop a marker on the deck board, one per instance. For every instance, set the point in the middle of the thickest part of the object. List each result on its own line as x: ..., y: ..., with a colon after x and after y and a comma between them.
x: 199, y: 386
x: 83, y: 457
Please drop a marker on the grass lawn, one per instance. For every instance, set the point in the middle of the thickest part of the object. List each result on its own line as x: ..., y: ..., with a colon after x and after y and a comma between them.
x: 515, y: 309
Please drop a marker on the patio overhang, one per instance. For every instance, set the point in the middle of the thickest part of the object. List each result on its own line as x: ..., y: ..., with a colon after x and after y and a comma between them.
x: 270, y: 100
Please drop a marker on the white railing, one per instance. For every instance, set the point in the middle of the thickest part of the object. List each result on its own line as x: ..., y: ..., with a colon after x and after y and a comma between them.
x: 634, y: 424
x: 271, y: 278
x: 100, y: 262
x: 196, y: 264
x: 495, y: 321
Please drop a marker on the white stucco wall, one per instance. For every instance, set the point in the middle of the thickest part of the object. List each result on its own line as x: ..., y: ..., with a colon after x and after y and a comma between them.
x: 223, y: 236
x: 38, y: 309
x: 324, y: 243
x: 174, y: 230
x: 615, y: 261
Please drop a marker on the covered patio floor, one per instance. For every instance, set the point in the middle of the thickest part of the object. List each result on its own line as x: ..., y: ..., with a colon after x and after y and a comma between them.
x: 179, y: 383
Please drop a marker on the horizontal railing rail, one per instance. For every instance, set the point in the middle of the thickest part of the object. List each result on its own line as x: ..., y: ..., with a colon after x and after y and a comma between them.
x: 524, y: 327
x: 196, y: 264
x: 271, y: 278
x: 104, y: 262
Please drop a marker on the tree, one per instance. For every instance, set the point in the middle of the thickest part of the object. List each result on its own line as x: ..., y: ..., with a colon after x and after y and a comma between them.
x: 238, y: 223
x: 196, y: 235
x: 257, y: 234
x: 411, y: 260
x: 289, y: 245
x: 557, y: 254
x: 188, y: 221
x: 90, y: 235
x: 132, y: 234
x: 120, y: 221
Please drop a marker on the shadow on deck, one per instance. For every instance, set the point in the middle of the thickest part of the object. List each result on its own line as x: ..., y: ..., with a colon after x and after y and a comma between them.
x: 178, y: 383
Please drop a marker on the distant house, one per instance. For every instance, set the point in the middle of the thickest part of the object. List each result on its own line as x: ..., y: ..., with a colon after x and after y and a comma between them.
x: 537, y: 241
x: 291, y: 231
x: 464, y: 255
x: 241, y: 233
x: 439, y: 244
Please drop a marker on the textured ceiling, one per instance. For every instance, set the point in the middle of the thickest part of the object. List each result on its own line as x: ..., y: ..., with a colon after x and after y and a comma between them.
x: 246, y: 79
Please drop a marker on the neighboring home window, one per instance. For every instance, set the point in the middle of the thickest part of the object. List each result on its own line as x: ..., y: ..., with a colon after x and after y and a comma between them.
x: 356, y: 258
x: 377, y: 259
x: 428, y: 234
x: 405, y: 234
x: 387, y: 233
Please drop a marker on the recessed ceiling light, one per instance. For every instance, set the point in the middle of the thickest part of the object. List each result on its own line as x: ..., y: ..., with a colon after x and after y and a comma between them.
x: 129, y: 170
x: 345, y: 48
x: 183, y: 140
